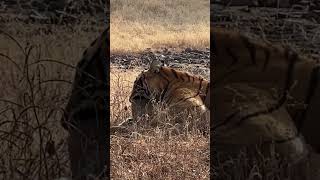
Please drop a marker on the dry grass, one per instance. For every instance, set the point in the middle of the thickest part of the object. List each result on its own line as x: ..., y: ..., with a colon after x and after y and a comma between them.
x: 152, y: 152
x: 36, y: 67
x: 121, y: 84
x: 158, y: 158
x: 137, y: 25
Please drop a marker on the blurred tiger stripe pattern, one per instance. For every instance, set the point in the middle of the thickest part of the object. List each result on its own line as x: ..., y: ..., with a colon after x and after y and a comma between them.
x: 240, y: 58
x: 246, y: 66
x: 85, y: 113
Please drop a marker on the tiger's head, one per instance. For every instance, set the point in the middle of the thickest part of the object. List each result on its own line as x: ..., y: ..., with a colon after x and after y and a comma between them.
x: 149, y: 83
x: 146, y: 88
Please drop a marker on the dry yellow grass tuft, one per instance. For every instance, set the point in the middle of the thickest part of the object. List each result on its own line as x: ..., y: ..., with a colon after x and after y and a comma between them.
x: 137, y: 25
x: 121, y: 84
x: 158, y: 158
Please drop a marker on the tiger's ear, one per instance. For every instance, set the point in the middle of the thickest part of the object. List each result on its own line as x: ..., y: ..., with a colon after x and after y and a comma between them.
x: 155, y: 66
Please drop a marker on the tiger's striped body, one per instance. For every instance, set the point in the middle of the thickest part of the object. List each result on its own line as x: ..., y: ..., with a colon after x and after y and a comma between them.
x: 85, y: 112
x: 178, y: 90
x: 239, y: 58
x: 243, y: 64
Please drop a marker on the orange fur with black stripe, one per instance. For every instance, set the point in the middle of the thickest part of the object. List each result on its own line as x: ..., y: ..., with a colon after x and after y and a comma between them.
x: 239, y: 58
x: 178, y: 90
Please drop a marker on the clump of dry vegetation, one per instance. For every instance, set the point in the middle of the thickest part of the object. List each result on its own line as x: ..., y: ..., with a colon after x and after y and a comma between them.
x: 137, y: 25
x: 36, y: 66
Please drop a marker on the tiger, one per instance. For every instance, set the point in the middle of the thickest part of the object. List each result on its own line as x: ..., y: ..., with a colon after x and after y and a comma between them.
x: 238, y: 58
x: 255, y: 84
x: 266, y: 136
x: 85, y: 112
x: 177, y: 90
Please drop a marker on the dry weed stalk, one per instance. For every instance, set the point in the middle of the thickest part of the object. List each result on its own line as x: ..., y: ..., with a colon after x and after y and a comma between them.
x: 31, y: 148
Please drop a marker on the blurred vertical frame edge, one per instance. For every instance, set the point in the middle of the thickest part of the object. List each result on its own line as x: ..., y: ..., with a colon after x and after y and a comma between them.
x: 212, y: 49
x: 106, y: 64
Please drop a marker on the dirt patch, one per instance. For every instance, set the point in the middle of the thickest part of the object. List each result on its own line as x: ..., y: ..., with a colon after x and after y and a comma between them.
x: 192, y: 60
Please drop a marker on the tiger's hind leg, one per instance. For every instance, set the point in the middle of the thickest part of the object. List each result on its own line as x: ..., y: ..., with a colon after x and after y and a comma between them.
x: 192, y: 111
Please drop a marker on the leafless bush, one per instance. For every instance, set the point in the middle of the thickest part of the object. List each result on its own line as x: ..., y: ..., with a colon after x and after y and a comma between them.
x: 36, y: 75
